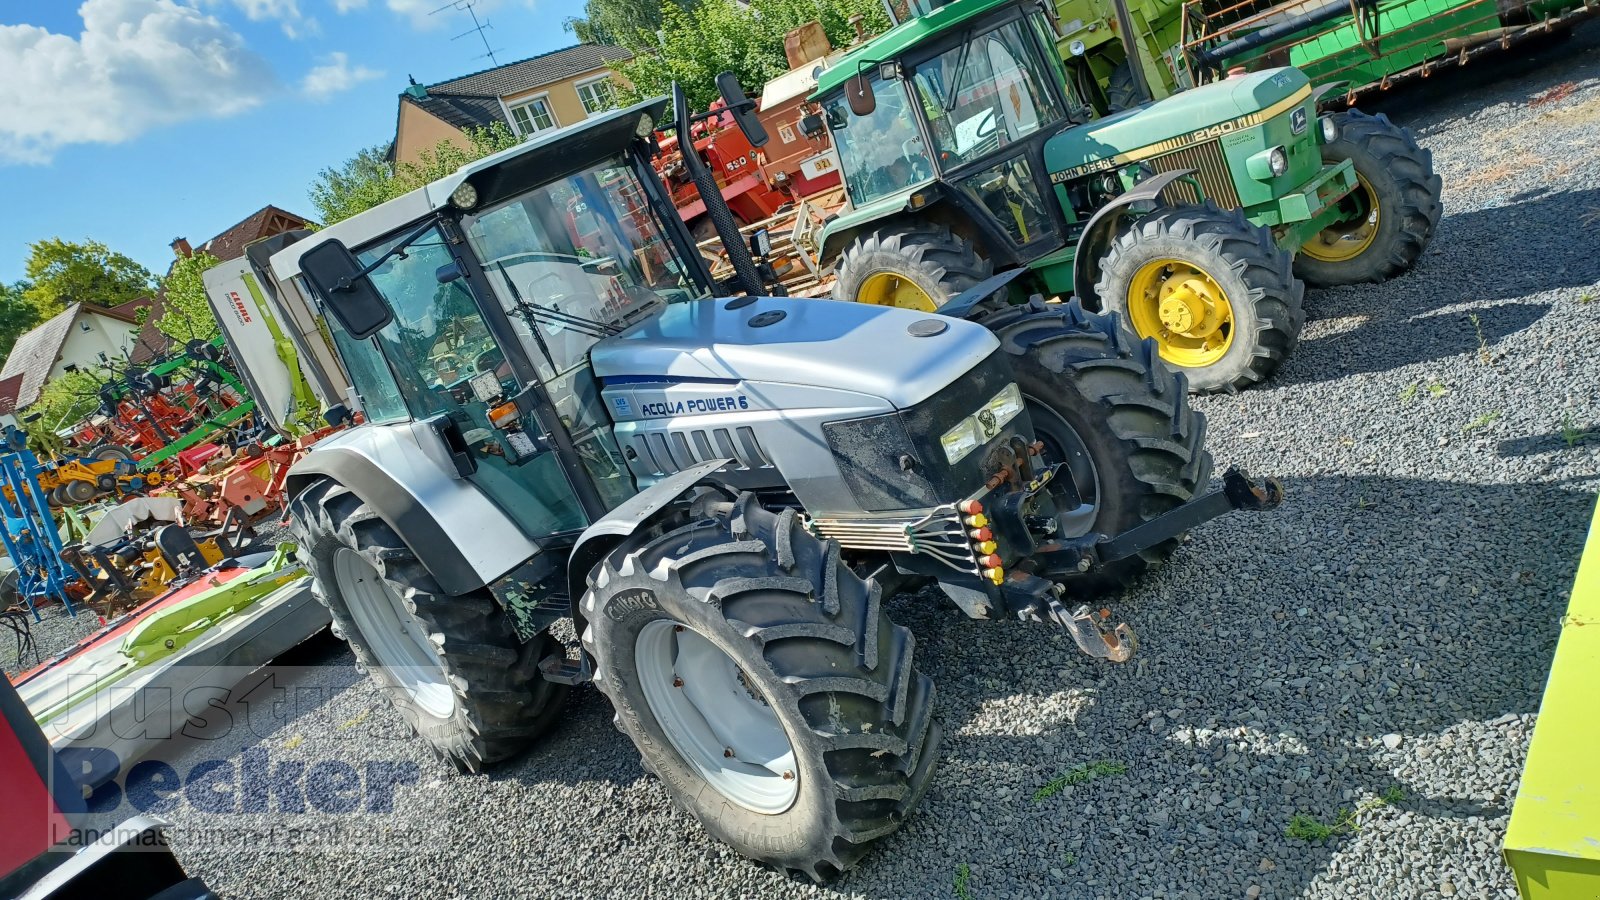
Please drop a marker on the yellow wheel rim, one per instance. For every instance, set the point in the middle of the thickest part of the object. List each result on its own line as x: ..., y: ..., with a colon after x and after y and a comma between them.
x: 1352, y: 237
x: 889, y: 289
x: 1184, y: 309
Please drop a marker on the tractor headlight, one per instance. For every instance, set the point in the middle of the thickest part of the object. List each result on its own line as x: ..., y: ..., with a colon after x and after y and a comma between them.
x: 1267, y: 164
x: 1330, y: 130
x: 464, y: 197
x: 1005, y: 405
x: 979, y: 428
x: 961, y: 440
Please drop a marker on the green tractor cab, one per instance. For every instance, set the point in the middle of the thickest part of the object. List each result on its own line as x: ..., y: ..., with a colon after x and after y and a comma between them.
x: 966, y: 148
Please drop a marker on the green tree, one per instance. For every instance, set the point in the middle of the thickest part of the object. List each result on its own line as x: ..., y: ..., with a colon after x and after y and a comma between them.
x: 625, y: 22
x: 63, y: 401
x: 366, y: 179
x: 186, y: 314
x: 64, y: 272
x: 17, y: 315
x: 714, y: 36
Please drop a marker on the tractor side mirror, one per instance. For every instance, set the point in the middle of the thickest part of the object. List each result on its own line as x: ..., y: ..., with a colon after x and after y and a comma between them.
x: 346, y: 290
x: 858, y: 93
x: 811, y: 126
x: 742, y: 108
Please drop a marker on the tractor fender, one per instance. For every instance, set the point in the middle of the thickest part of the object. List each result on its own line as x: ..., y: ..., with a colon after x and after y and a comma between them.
x: 458, y: 534
x: 632, y: 516
x: 1324, y: 90
x: 1103, y: 225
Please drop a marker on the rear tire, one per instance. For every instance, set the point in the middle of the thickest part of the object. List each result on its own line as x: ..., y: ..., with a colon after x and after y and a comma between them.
x: 1122, y: 92
x: 1395, y: 176
x: 454, y: 669
x: 1254, y: 277
x: 104, y: 452
x: 911, y: 266
x: 801, y: 637
x: 1105, y: 404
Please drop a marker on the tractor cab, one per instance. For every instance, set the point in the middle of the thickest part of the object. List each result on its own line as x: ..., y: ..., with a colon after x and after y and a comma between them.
x: 956, y: 105
x: 475, y: 310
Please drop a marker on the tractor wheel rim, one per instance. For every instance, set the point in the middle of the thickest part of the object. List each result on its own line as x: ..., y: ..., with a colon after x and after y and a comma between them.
x: 1348, y: 239
x: 892, y: 289
x: 1062, y: 444
x: 1185, y: 309
x: 394, y: 635
x: 716, y: 718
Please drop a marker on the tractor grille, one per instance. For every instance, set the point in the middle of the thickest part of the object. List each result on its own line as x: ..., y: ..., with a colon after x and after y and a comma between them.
x: 664, y: 452
x: 1211, y: 170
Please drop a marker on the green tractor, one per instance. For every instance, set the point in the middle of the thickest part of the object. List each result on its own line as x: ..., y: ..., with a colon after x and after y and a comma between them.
x: 966, y: 149
x: 1364, y: 44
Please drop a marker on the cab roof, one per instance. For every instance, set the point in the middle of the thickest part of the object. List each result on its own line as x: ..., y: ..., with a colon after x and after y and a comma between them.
x: 538, y: 160
x: 904, y: 37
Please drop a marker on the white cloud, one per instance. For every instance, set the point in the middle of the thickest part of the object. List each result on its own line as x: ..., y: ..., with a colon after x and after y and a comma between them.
x: 137, y: 65
x: 286, y: 13
x: 344, y: 6
x: 335, y: 76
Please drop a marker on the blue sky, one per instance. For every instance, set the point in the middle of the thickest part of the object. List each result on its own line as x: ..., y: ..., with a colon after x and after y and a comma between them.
x: 134, y: 122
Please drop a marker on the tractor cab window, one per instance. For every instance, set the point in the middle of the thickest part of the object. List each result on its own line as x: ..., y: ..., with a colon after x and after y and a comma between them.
x: 881, y: 152
x: 588, y: 247
x: 443, y: 360
x: 985, y: 93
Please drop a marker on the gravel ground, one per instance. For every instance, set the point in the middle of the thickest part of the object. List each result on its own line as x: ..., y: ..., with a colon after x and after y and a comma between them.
x: 1387, y: 632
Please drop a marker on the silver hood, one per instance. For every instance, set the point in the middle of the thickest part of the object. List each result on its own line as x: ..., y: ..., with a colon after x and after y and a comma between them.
x: 824, y: 343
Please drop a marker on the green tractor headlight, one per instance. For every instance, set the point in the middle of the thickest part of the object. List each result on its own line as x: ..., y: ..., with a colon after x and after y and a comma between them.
x: 1330, y: 129
x: 1269, y: 163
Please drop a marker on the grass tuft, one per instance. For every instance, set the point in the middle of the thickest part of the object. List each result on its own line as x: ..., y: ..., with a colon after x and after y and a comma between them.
x: 1080, y: 774
x: 963, y: 876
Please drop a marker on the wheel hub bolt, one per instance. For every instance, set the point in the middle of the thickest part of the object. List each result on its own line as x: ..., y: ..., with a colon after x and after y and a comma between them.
x: 727, y: 753
x: 788, y: 776
x: 677, y: 629
x: 676, y: 681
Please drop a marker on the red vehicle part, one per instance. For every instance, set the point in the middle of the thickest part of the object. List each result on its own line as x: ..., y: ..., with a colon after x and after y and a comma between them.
x: 739, y: 168
x: 41, y: 801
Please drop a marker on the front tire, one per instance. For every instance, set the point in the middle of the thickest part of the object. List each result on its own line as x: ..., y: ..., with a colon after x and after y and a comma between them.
x: 452, y: 664
x: 1217, y: 295
x: 910, y: 266
x: 1105, y: 404
x: 1390, y: 216
x: 763, y: 683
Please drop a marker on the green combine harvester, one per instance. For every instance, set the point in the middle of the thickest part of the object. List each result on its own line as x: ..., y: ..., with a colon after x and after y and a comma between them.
x: 1364, y: 44
x: 968, y: 146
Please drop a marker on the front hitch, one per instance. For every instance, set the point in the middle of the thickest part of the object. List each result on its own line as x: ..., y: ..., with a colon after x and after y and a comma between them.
x: 1032, y: 593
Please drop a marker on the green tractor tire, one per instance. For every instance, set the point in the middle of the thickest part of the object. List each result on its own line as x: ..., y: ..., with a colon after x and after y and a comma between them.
x: 1122, y: 91
x: 1214, y: 291
x: 1392, y: 212
x: 916, y: 266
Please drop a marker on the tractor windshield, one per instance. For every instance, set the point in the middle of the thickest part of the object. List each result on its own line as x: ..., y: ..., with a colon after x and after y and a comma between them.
x: 881, y: 152
x: 586, y: 246
x: 985, y: 93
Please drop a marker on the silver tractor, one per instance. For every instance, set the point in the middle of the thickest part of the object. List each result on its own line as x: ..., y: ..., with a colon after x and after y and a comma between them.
x: 562, y: 416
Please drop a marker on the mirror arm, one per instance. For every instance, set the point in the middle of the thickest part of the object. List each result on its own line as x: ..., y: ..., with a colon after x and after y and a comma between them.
x: 348, y: 282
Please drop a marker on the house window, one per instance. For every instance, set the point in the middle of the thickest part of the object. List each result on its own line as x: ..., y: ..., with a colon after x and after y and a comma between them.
x: 597, y: 94
x: 533, y: 117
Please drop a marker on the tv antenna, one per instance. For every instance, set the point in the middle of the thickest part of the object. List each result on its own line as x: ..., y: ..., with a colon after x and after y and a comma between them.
x: 477, y: 28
